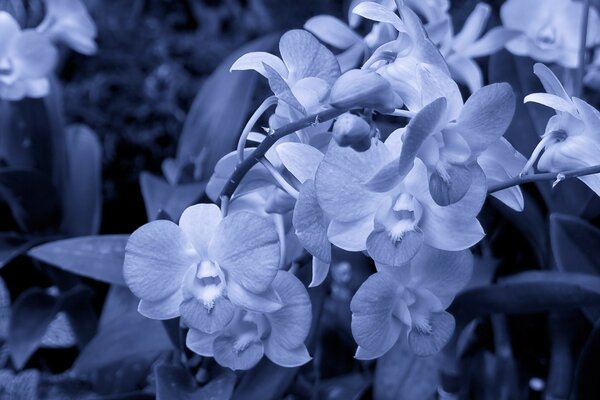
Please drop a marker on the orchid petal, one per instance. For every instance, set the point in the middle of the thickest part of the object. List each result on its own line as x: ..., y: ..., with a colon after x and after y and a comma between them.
x: 332, y: 31
x: 300, y: 159
x: 305, y: 57
x: 473, y: 27
x: 377, y: 12
x: 552, y: 101
x: 266, y: 302
x: 452, y: 186
x: 387, y: 251
x: 443, y: 273
x: 340, y: 181
x: 351, y: 235
x: 435, y: 83
x: 247, y: 247
x: 465, y: 71
x: 199, y: 223
x: 291, y: 324
x: 227, y: 354
x: 429, y: 343
x: 373, y: 326
x: 9, y: 30
x: 281, y: 89
x: 486, y: 116
x: 492, y: 42
x: 162, y: 309
x: 157, y: 257
x: 551, y: 83
x: 320, y: 270
x: 288, y: 358
x: 310, y: 223
x: 207, y: 318
x: 33, y: 55
x: 256, y: 61
x: 200, y: 343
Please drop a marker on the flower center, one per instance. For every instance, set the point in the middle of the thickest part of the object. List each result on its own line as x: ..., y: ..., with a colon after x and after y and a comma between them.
x: 6, y: 66
x: 546, y: 37
x: 402, y: 218
x: 209, y: 283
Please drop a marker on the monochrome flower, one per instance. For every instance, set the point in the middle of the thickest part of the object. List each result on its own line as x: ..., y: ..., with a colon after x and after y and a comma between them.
x: 280, y: 335
x: 549, y: 29
x: 571, y: 139
x: 409, y: 301
x: 26, y: 60
x: 204, y: 267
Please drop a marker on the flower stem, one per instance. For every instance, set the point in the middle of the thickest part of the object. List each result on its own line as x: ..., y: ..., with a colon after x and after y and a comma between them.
x: 270, y: 101
x: 582, y: 49
x: 270, y: 140
x: 519, y: 180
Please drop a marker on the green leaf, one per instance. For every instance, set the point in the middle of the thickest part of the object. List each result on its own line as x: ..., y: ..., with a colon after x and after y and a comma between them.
x: 400, y: 374
x: 343, y: 387
x: 82, y: 192
x: 219, y: 112
x: 528, y: 292
x: 160, y: 196
x: 575, y: 249
x: 96, y: 257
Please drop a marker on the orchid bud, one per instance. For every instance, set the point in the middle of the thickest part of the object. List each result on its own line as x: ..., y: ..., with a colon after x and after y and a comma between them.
x: 362, y: 88
x: 351, y: 130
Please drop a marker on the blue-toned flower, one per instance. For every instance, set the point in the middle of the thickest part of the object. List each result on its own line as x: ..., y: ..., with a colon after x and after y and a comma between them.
x: 449, y: 136
x: 571, y: 139
x: 68, y: 22
x: 409, y: 301
x: 280, y: 335
x: 549, y: 29
x: 398, y: 60
x: 376, y: 206
x: 26, y: 60
x: 301, y: 78
x: 204, y: 267
x: 460, y: 49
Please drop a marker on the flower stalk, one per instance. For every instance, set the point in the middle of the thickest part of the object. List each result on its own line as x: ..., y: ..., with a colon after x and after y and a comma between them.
x: 556, y: 176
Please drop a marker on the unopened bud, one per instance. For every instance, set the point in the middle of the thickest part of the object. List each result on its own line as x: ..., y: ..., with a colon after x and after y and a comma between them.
x: 351, y: 130
x: 363, y: 88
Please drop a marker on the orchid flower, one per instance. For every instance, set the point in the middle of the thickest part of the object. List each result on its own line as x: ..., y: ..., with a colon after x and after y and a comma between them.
x: 68, y: 22
x: 392, y: 215
x: 571, y: 139
x: 450, y: 137
x: 549, y: 29
x: 249, y: 335
x: 204, y: 267
x: 459, y: 50
x: 409, y: 301
x: 301, y: 78
x: 397, y: 61
x: 26, y: 60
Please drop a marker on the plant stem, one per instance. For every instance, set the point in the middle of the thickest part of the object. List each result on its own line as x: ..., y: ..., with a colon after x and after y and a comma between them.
x: 519, y: 180
x: 270, y: 140
x: 582, y: 49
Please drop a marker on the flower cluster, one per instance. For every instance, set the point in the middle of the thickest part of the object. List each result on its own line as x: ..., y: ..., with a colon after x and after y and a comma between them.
x: 408, y: 199
x: 28, y: 56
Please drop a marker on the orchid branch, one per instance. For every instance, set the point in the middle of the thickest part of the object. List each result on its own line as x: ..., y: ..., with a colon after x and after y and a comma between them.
x: 243, y: 167
x: 556, y: 176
